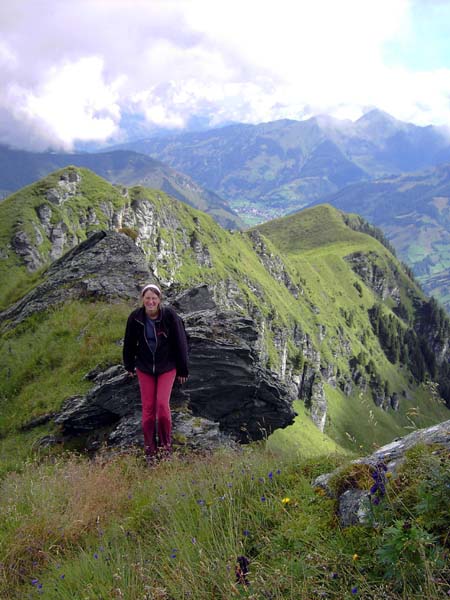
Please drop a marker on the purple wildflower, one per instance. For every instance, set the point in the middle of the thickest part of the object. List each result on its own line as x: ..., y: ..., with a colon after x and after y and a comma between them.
x: 242, y: 570
x: 378, y: 488
x: 354, y: 590
x: 263, y: 498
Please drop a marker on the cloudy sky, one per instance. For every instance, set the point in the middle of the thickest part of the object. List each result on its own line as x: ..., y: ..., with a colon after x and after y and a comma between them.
x: 79, y: 71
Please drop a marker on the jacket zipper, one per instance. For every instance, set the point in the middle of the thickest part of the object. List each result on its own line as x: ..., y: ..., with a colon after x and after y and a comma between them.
x: 146, y: 341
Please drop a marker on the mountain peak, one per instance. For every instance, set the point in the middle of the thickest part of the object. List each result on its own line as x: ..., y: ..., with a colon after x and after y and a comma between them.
x: 378, y: 124
x: 378, y: 118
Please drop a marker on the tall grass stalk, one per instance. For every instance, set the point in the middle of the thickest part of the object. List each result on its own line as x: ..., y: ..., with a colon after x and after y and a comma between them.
x: 233, y: 524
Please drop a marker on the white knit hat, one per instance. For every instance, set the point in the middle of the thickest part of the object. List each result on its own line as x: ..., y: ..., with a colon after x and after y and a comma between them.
x: 153, y: 287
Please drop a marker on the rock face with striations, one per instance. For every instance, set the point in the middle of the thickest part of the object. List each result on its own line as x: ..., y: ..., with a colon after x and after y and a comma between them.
x: 230, y: 396
x: 107, y: 265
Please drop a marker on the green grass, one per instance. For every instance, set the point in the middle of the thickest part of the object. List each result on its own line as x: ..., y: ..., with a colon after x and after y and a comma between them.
x: 357, y: 424
x: 302, y: 438
x: 111, y: 528
x: 310, y: 229
x: 46, y: 358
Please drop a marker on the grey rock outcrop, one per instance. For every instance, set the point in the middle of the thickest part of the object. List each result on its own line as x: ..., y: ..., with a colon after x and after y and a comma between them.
x: 107, y: 265
x: 376, y: 278
x: 273, y: 263
x: 353, y: 502
x: 230, y: 396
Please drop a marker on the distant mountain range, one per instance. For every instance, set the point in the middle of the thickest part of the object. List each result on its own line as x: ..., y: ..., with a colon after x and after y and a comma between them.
x: 271, y: 169
x: 19, y: 168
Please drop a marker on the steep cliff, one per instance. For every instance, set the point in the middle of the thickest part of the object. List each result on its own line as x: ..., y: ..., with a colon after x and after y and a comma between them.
x: 279, y: 313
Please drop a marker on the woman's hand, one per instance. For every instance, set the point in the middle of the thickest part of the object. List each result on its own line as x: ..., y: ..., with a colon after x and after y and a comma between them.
x: 181, y: 380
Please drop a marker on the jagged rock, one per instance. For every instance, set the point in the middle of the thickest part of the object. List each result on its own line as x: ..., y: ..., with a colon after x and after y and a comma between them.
x: 67, y: 187
x: 26, y: 250
x: 365, y: 265
x: 107, y: 265
x: 197, y: 298
x: 353, y: 502
x: 227, y: 383
x: 352, y: 507
x: 227, y: 387
x: 201, y: 252
x: 273, y: 263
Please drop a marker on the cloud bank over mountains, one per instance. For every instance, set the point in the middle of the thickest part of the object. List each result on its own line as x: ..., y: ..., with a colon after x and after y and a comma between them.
x: 74, y: 71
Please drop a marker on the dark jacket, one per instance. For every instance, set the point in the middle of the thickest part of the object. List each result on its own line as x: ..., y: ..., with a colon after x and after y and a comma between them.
x: 171, y: 344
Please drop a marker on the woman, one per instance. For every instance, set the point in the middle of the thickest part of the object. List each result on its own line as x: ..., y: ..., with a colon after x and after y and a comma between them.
x: 155, y: 348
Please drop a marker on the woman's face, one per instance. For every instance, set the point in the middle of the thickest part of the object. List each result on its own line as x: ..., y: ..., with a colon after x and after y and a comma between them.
x: 151, y: 301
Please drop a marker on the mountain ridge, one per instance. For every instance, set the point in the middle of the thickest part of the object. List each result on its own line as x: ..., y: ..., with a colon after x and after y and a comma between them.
x: 413, y: 210
x: 19, y: 168
x: 260, y: 166
x: 315, y: 330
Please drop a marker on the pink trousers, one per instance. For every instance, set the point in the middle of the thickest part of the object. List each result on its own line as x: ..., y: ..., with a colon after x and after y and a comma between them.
x: 155, y: 397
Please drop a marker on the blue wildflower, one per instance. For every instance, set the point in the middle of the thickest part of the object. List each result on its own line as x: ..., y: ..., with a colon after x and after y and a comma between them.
x: 378, y: 488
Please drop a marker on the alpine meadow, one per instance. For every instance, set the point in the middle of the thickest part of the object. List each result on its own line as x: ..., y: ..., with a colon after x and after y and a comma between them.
x: 311, y: 441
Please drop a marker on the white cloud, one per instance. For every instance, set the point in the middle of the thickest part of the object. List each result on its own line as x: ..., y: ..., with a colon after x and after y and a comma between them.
x: 68, y: 70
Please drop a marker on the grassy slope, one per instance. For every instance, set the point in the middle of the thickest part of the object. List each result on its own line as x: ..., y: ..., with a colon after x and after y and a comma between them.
x: 110, y: 528
x: 47, y: 358
x: 315, y: 243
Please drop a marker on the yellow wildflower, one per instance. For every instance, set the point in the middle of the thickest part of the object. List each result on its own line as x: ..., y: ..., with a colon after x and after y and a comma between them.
x: 355, y: 556
x: 286, y: 500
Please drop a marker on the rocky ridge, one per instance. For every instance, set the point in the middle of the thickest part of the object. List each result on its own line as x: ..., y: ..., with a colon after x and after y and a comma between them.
x: 280, y: 343
x: 230, y: 396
